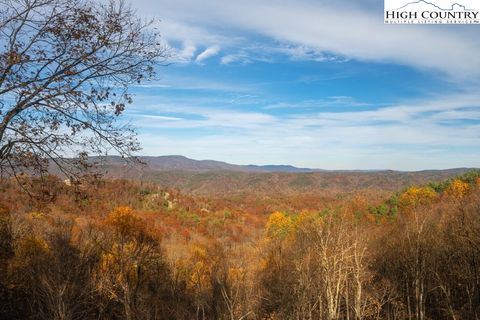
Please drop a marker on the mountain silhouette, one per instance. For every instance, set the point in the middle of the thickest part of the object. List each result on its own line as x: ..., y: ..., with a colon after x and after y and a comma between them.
x: 427, y: 3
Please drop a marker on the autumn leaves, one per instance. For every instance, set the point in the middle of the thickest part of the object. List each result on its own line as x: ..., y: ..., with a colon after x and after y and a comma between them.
x: 116, y: 251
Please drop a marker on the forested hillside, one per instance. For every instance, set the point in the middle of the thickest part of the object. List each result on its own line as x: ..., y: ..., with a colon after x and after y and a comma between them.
x: 119, y: 249
x: 222, y: 179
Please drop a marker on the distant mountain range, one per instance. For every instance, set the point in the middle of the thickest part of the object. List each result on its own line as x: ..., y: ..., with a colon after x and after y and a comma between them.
x: 209, y: 177
x: 181, y: 163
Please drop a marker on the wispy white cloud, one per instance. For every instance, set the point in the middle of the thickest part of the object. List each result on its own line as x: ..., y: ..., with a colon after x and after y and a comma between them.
x: 184, y: 39
x: 195, y: 83
x: 334, y: 101
x: 157, y: 117
x: 468, y: 114
x: 301, y: 52
x: 241, y: 58
x: 186, y: 53
x: 195, y: 117
x: 207, y: 53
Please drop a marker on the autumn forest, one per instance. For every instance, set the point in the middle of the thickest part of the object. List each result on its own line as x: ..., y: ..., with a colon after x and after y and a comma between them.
x: 119, y: 249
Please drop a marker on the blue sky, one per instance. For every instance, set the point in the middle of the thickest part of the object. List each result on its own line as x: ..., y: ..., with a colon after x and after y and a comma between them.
x: 321, y: 84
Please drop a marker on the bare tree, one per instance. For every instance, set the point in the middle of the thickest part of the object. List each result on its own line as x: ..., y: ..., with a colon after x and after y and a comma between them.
x: 65, y: 70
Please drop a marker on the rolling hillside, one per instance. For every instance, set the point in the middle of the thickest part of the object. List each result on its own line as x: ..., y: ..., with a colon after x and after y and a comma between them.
x: 221, y: 178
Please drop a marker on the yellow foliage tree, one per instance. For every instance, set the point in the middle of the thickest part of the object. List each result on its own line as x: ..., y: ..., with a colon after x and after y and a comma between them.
x: 201, y: 269
x: 279, y: 225
x: 29, y: 248
x: 206, y: 273
x: 458, y: 189
x: 415, y: 196
x: 125, y: 221
x: 130, y: 251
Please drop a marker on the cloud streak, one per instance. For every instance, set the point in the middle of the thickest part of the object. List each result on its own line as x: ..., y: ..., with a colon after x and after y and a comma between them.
x: 207, y: 53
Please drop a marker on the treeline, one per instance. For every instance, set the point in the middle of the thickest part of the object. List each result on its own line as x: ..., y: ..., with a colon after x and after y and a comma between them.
x: 119, y: 250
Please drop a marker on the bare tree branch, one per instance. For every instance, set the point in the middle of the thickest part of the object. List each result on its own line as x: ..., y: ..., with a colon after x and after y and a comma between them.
x: 65, y: 70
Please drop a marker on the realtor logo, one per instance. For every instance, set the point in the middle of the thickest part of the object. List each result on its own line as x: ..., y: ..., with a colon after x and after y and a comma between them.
x: 432, y: 12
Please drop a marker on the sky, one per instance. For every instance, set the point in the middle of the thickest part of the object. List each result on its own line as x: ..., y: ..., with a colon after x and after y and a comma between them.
x: 319, y: 84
